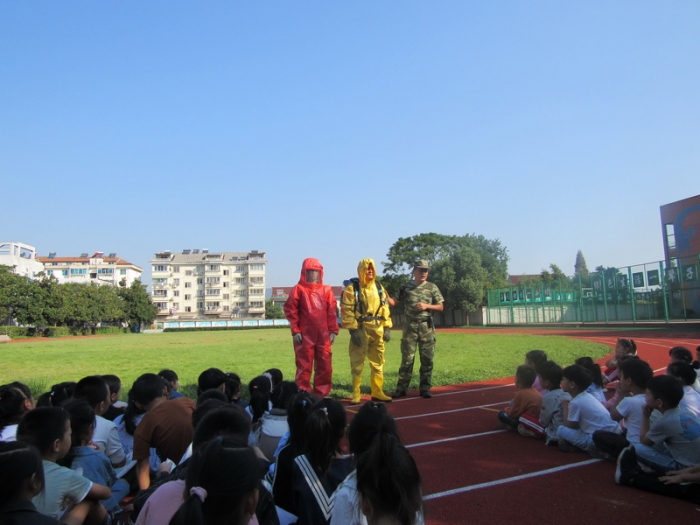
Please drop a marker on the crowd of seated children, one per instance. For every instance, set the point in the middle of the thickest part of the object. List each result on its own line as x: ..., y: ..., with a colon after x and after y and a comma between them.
x: 66, y: 494
x: 535, y: 358
x: 94, y: 464
x: 686, y: 375
x: 550, y: 418
x: 15, y: 401
x: 622, y: 347
x: 95, y: 391
x: 527, y: 401
x: 583, y: 415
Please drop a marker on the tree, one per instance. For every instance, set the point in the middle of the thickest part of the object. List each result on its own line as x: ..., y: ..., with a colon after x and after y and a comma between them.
x: 461, y: 278
x: 492, y: 258
x: 273, y: 310
x: 580, y: 268
x: 137, y: 308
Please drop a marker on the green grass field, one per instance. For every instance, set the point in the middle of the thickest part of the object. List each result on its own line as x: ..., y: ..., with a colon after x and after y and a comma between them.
x: 459, y: 358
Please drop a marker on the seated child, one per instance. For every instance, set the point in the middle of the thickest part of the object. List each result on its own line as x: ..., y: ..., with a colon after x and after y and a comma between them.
x: 583, y: 415
x: 15, y: 401
x: 173, y: 381
x: 550, y: 418
x: 211, y: 379
x: 535, y: 358
x: 527, y: 400
x: 59, y: 394
x: 167, y: 425
x: 48, y: 429
x: 95, y: 391
x: 596, y: 387
x: 21, y: 478
x: 116, y: 407
x: 94, y: 464
x: 634, y: 375
x: 679, y: 353
x: 622, y: 347
x: 672, y: 442
x: 685, y: 374
x: 273, y: 424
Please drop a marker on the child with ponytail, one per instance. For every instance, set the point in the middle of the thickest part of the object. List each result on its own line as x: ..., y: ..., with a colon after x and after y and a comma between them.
x: 389, y: 483
x: 221, y: 484
x: 15, y: 400
x: 323, y: 465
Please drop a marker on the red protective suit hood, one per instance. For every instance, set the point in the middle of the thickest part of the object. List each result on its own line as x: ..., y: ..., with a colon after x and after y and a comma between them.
x: 311, y: 264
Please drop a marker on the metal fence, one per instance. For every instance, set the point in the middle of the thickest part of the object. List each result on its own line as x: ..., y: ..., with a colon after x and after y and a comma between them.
x: 661, y: 291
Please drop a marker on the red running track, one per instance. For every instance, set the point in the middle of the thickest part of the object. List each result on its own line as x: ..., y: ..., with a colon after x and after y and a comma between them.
x: 474, y: 472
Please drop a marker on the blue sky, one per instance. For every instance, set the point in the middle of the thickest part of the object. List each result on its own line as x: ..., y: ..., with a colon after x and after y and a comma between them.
x: 330, y: 129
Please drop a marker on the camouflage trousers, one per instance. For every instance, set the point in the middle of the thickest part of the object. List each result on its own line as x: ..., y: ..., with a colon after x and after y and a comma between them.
x: 422, y: 336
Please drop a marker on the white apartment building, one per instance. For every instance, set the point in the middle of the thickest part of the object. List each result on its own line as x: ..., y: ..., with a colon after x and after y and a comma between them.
x: 197, y: 284
x: 21, y: 258
x: 95, y: 268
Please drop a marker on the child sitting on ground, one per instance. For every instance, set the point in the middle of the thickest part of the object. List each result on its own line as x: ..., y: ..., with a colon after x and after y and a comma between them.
x: 686, y: 375
x: 173, y: 383
x: 634, y: 375
x: 273, y: 424
x: 549, y: 374
x: 671, y: 442
x: 94, y: 464
x: 48, y: 429
x: 527, y: 400
x: 596, y: 386
x: 116, y: 407
x: 95, y: 391
x: 622, y: 347
x: 21, y: 478
x: 15, y: 401
x: 535, y: 358
x: 583, y: 415
x: 679, y: 353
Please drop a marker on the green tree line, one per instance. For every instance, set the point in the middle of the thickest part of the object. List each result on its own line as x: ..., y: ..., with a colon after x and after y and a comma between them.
x: 45, y: 302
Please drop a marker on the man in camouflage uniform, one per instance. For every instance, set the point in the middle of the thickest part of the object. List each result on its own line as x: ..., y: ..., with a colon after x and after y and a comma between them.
x: 420, y: 299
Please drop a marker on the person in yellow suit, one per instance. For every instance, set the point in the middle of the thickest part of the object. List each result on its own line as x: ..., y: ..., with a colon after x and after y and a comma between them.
x: 365, y: 313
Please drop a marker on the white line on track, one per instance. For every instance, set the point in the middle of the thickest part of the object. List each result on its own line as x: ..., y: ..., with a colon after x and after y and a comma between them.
x: 509, y: 480
x: 446, y: 440
x: 453, y: 393
x: 449, y: 411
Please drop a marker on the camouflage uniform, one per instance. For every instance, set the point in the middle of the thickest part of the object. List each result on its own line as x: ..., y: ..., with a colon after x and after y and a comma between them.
x: 417, y: 330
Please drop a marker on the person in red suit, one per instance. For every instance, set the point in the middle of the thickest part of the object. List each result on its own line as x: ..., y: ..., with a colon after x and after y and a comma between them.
x: 312, y: 314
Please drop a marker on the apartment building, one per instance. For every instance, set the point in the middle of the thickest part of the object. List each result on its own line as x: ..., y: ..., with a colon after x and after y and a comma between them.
x: 198, y: 284
x: 96, y: 268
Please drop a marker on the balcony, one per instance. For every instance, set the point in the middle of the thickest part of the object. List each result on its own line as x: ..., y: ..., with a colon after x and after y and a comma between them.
x: 159, y: 286
x: 256, y: 310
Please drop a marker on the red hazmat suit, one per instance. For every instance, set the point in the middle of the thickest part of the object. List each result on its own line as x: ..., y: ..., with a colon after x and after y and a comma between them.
x: 311, y: 312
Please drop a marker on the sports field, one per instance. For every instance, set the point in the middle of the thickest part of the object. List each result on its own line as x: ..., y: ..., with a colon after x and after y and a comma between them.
x: 460, y: 357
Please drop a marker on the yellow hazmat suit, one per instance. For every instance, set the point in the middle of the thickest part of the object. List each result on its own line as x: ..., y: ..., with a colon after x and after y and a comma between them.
x: 367, y: 313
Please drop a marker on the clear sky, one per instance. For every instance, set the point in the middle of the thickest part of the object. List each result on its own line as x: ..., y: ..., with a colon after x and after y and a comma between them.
x: 330, y: 129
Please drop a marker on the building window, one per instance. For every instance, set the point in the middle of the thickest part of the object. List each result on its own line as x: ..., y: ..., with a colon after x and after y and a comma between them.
x: 64, y: 273
x: 188, y: 297
x: 176, y: 269
x: 160, y: 268
x: 200, y: 280
x: 188, y: 308
x: 200, y: 293
x: 226, y: 272
x: 78, y: 271
x: 213, y: 291
x: 213, y: 267
x: 240, y: 269
x: 176, y: 306
x: 670, y: 237
x: 188, y: 285
x: 226, y: 308
x: 160, y: 293
x: 188, y: 272
x: 257, y: 267
x: 225, y: 296
x: 257, y: 280
x: 176, y: 293
x: 240, y: 280
x: 213, y: 280
x: 200, y: 305
x: 225, y: 284
x: 176, y: 282
x: 161, y: 306
x: 122, y: 272
x: 49, y: 272
x: 256, y: 304
x: 257, y: 291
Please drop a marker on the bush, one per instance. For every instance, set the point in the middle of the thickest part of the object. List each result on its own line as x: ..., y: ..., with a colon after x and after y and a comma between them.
x: 20, y: 332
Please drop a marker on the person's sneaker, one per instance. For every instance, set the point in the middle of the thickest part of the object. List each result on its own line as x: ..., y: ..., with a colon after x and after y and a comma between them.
x: 398, y: 393
x: 523, y: 431
x: 425, y: 394
x: 626, y: 466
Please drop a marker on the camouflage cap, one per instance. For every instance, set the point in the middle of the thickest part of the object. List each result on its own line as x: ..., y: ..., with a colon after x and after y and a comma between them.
x: 422, y: 263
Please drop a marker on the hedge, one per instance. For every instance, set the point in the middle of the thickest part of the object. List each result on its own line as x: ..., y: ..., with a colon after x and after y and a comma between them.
x: 20, y: 332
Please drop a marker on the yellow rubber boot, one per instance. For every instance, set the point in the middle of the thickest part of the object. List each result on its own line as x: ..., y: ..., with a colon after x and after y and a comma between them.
x: 376, y: 381
x: 356, y: 395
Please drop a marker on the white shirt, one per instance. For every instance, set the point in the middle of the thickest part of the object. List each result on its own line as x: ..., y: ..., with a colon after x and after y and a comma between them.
x: 9, y: 433
x: 632, y: 409
x: 590, y: 414
x: 106, y: 438
x: 691, y: 400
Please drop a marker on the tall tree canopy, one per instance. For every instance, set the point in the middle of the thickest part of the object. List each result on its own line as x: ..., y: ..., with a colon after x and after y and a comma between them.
x: 580, y: 267
x: 463, y: 266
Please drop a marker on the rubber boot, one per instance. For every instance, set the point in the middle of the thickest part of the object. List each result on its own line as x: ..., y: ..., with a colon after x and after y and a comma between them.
x: 356, y: 395
x: 376, y: 381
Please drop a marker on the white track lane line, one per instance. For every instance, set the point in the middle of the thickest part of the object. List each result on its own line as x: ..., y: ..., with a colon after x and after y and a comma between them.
x: 430, y: 414
x: 452, y: 393
x: 469, y: 488
x: 447, y: 440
